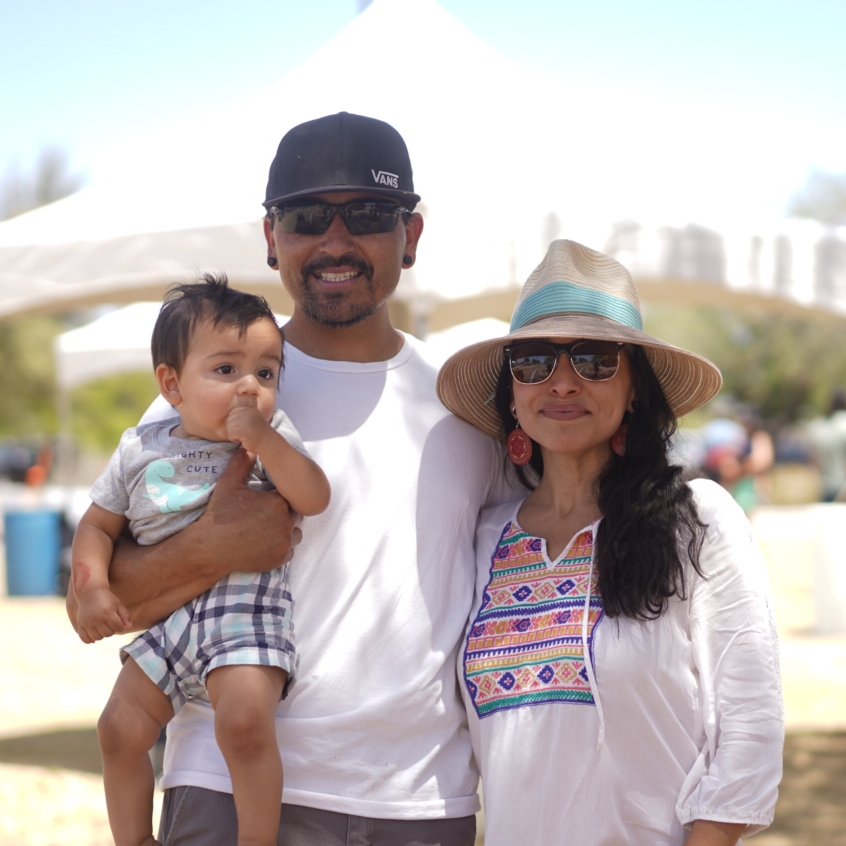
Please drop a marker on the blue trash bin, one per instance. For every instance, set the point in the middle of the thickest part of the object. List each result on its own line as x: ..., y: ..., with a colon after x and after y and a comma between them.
x: 33, y: 551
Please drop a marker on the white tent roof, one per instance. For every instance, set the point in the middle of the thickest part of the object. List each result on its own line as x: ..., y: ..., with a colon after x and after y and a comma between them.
x: 444, y: 343
x: 190, y: 197
x: 115, y: 342
x: 504, y: 161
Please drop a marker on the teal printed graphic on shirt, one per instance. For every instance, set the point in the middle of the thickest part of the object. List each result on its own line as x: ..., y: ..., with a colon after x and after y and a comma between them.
x: 168, y: 496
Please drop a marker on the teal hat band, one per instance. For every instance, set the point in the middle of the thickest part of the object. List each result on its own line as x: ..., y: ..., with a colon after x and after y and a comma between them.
x: 557, y: 297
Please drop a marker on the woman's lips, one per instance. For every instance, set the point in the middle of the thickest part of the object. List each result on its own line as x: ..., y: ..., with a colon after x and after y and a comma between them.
x: 566, y: 411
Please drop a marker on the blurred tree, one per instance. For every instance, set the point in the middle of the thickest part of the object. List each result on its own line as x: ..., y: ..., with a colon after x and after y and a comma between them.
x: 822, y: 198
x: 50, y: 180
x: 27, y: 382
x: 27, y: 379
x: 103, y: 408
x: 785, y: 366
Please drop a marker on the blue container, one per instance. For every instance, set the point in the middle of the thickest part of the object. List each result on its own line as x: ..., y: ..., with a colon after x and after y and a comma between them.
x: 33, y: 552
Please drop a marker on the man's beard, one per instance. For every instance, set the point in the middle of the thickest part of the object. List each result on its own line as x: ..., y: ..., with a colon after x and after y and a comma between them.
x: 335, y: 309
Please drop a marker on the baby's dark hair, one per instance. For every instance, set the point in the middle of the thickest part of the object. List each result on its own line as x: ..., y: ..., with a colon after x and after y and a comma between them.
x: 207, y: 298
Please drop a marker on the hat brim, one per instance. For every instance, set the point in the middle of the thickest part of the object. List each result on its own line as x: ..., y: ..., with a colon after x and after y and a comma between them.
x: 468, y: 378
x: 408, y: 198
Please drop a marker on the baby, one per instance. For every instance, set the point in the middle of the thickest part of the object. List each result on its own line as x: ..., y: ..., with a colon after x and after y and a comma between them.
x: 217, y: 354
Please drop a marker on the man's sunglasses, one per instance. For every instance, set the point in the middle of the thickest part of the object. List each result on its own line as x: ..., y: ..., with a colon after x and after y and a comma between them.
x: 534, y: 362
x: 362, y: 217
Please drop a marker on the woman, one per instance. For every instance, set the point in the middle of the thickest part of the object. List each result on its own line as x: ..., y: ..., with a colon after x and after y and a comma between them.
x: 620, y: 667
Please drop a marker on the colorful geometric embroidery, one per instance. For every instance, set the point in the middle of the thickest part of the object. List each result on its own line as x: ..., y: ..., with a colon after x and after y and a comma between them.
x: 525, y: 644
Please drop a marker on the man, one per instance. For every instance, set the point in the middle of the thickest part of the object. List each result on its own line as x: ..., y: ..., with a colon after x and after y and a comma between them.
x: 373, y: 737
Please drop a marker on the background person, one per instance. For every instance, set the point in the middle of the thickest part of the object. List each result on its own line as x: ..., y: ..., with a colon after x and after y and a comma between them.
x: 738, y: 453
x: 217, y: 354
x: 620, y: 666
x: 826, y: 438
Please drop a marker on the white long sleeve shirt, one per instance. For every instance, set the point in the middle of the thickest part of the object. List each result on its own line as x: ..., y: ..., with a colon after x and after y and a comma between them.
x: 599, y: 730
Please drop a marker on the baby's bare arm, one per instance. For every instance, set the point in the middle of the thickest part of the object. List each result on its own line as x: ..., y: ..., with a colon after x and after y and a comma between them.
x: 241, y: 529
x: 100, y: 613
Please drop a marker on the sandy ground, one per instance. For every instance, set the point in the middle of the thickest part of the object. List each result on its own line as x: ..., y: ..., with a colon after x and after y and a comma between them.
x: 54, y: 682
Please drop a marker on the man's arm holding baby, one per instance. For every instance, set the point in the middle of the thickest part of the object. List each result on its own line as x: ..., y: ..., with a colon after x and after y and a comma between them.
x: 153, y: 581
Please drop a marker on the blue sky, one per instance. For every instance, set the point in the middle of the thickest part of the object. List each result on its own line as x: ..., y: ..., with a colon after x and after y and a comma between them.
x: 84, y: 74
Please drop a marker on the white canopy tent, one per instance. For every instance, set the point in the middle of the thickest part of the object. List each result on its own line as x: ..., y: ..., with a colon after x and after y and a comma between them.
x: 189, y: 198
x: 115, y: 342
x: 504, y: 160
x: 444, y: 343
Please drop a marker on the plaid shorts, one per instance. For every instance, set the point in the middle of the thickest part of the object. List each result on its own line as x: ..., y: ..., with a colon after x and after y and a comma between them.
x: 244, y: 619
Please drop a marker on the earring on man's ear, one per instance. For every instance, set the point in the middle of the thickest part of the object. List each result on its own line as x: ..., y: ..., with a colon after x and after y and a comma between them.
x: 519, y: 446
x: 407, y: 261
x: 271, y: 261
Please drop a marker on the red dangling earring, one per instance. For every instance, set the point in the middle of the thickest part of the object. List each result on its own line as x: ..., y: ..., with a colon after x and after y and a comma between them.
x: 618, y: 439
x: 519, y: 446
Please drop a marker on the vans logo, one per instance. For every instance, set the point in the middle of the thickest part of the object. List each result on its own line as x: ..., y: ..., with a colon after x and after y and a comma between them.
x: 385, y: 178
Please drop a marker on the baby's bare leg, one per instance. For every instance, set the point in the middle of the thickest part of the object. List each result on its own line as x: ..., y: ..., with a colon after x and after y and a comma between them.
x: 128, y: 728
x: 244, y: 700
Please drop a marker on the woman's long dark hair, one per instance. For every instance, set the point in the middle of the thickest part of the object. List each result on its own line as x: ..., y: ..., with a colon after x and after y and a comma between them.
x: 648, y: 509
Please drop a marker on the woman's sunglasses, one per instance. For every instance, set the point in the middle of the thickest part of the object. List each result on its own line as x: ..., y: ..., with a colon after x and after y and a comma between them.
x: 534, y: 362
x: 362, y: 217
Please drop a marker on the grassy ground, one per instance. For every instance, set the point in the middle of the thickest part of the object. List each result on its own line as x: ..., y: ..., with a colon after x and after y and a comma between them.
x: 811, y: 809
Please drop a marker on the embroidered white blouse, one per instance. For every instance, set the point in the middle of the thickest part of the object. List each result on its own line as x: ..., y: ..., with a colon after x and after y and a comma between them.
x: 666, y: 722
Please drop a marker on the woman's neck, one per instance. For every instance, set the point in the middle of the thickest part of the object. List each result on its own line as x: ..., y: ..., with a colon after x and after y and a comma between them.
x: 564, y: 501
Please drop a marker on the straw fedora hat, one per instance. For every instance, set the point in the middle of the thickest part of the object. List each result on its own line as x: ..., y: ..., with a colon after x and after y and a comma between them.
x: 575, y: 292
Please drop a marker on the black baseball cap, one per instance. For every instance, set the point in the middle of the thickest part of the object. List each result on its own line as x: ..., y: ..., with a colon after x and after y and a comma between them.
x: 342, y: 152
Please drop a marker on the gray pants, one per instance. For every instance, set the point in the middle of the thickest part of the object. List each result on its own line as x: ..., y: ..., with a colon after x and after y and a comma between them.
x: 193, y: 816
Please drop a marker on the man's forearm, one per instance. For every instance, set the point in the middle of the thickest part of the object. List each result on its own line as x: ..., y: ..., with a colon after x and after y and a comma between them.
x: 153, y: 581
